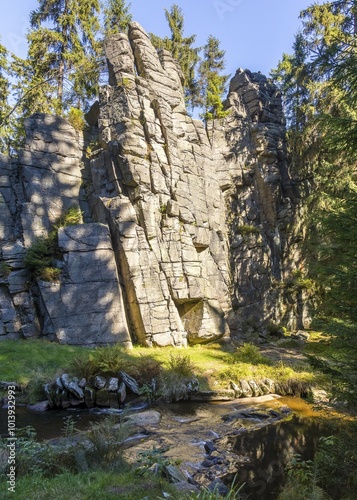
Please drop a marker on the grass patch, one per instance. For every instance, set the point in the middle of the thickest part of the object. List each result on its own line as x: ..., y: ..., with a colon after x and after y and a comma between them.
x: 21, y: 360
x: 278, y: 372
x: 249, y: 353
x: 214, y: 366
x: 96, y: 485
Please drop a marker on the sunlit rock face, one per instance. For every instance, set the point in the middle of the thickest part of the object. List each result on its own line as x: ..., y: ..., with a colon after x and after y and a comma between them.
x: 188, y: 235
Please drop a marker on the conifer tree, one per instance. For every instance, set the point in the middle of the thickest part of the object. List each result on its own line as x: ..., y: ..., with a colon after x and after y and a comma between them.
x: 62, y: 68
x: 325, y: 81
x: 117, y: 16
x: 4, y: 106
x: 212, y: 83
x: 182, y: 50
x: 292, y: 77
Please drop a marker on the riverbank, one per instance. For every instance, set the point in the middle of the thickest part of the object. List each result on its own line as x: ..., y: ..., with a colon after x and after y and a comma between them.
x: 176, y: 435
x: 34, y: 363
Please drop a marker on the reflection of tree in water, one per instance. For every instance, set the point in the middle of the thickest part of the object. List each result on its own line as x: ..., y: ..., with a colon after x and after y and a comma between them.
x: 270, y: 449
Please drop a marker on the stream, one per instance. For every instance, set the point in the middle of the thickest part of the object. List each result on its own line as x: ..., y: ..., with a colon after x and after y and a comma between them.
x: 264, y: 448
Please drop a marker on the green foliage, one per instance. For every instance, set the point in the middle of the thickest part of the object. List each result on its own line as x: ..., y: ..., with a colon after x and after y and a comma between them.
x: 40, y: 255
x: 106, y: 438
x: 69, y: 428
x: 249, y: 353
x: 163, y: 209
x: 70, y: 217
x: 115, y: 484
x: 109, y: 360
x: 61, y: 68
x: 245, y: 229
x: 153, y: 461
x: 34, y: 362
x: 76, y: 119
x: 212, y: 83
x: 336, y: 463
x: 181, y: 365
x: 337, y: 358
x: 298, y: 281
x: 35, y: 387
x: 207, y: 494
x: 182, y: 51
x: 173, y: 382
x: 332, y: 474
x: 117, y: 17
x: 301, y: 481
x: 320, y: 87
x: 49, y: 274
x: 44, y: 250
x: 5, y: 269
x: 43, y: 459
x: 5, y: 123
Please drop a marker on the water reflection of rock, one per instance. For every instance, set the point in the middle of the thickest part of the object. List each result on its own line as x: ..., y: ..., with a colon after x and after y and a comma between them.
x: 270, y: 448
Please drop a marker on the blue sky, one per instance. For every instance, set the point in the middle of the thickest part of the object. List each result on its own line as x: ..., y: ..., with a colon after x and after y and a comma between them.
x: 254, y: 33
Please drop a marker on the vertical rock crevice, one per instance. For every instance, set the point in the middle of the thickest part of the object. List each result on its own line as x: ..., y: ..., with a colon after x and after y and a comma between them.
x: 191, y: 239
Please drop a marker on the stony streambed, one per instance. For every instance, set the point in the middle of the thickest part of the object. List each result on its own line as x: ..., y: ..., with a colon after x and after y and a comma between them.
x: 209, y: 444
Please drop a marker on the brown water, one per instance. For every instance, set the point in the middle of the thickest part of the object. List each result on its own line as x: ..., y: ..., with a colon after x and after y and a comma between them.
x: 186, y: 426
x: 48, y: 424
x: 271, y: 448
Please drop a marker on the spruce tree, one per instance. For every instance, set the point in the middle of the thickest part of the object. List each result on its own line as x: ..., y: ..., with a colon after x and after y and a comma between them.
x: 211, y: 82
x: 321, y: 93
x: 62, y: 68
x: 4, y: 106
x: 183, y: 51
x: 117, y: 16
x: 292, y: 77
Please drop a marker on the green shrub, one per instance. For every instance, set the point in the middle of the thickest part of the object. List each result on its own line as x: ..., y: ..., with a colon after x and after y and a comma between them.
x: 153, y: 460
x: 181, y: 365
x: 5, y: 270
x: 173, y: 382
x: 41, y: 253
x: 249, y: 353
x: 76, y: 119
x: 44, y: 250
x: 71, y: 217
x: 336, y: 463
x: 106, y: 439
x: 109, y: 360
x: 37, y: 458
x: 49, y: 274
x: 246, y: 229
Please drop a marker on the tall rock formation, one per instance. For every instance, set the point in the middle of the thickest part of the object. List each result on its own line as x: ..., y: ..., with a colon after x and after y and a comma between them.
x: 188, y: 236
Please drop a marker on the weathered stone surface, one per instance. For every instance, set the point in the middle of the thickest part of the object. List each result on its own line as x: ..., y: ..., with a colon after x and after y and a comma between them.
x: 50, y: 167
x: 129, y: 382
x: 86, y: 306
x: 99, y: 382
x: 89, y: 396
x: 113, y: 384
x: 144, y: 418
x: 74, y: 389
x: 121, y: 392
x: 193, y: 235
x: 40, y: 407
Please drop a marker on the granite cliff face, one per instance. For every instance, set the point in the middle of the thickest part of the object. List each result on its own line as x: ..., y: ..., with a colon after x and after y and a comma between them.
x: 188, y: 231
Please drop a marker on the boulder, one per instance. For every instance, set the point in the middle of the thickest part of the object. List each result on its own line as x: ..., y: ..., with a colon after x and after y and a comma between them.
x: 145, y: 418
x: 99, y: 382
